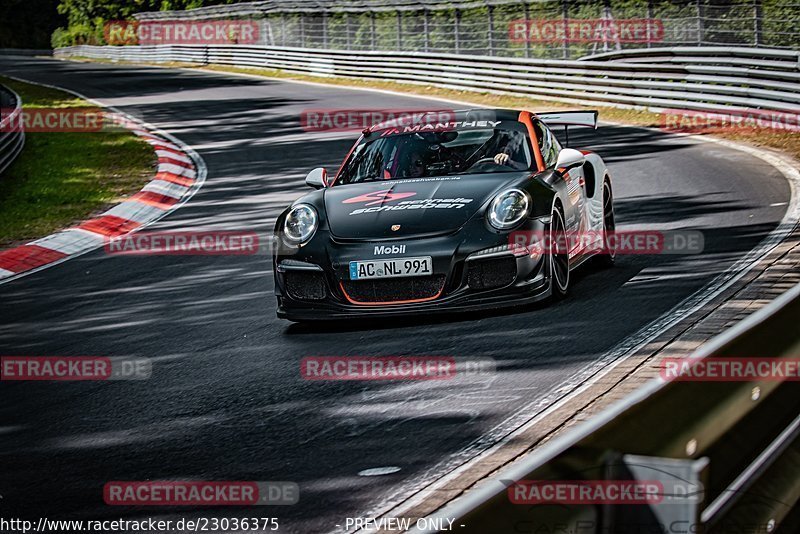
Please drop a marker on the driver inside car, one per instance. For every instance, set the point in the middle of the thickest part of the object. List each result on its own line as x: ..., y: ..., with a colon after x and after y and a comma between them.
x: 416, y: 167
x: 428, y: 154
x: 509, y: 151
x: 420, y: 152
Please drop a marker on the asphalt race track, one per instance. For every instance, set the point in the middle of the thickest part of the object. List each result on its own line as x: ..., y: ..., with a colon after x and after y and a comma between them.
x: 226, y: 400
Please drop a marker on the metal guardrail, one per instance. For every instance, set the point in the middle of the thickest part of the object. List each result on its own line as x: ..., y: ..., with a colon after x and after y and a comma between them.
x: 735, y: 446
x: 706, y: 54
x: 690, y: 79
x: 12, y: 134
x: 25, y: 52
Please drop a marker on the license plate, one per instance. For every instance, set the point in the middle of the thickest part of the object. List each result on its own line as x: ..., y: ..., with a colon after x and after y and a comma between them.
x: 391, y: 268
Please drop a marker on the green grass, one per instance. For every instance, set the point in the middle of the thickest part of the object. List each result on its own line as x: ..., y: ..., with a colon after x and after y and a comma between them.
x: 62, y: 178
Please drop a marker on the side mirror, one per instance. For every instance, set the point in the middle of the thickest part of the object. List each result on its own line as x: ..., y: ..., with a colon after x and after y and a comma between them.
x: 318, y: 178
x: 569, y: 158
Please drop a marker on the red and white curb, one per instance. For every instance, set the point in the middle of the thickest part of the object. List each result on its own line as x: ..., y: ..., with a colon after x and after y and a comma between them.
x: 179, y: 174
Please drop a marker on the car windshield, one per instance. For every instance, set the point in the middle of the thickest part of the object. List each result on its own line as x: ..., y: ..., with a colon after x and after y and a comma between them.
x: 437, y: 153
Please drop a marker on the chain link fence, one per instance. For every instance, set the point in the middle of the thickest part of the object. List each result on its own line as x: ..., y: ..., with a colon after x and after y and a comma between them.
x: 555, y: 29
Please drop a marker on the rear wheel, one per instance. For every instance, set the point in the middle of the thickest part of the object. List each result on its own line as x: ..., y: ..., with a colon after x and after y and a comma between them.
x: 559, y: 256
x: 609, y: 255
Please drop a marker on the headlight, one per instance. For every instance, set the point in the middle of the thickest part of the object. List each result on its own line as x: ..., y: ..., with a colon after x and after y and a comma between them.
x: 508, y: 208
x: 300, y: 224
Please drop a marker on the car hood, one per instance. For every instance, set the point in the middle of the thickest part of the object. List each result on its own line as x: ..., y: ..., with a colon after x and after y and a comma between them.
x: 403, y: 208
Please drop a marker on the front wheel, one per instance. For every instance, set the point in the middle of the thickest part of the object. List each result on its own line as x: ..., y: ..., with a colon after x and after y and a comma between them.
x: 559, y: 256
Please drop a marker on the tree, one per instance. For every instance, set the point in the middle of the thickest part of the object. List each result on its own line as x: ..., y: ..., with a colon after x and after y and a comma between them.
x: 28, y: 23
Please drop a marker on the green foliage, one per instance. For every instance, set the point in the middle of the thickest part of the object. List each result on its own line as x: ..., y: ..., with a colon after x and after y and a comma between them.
x: 28, y: 23
x: 86, y: 18
x: 77, y: 34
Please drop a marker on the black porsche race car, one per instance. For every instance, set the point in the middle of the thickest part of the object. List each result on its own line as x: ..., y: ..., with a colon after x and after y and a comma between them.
x: 443, y: 216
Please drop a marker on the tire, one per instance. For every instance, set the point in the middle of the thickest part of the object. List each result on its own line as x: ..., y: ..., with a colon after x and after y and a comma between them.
x: 609, y: 255
x: 559, y: 258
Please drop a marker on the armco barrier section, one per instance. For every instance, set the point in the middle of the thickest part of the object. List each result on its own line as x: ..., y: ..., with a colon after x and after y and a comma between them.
x: 12, y: 134
x: 683, y: 78
x: 748, y: 56
x: 727, y: 453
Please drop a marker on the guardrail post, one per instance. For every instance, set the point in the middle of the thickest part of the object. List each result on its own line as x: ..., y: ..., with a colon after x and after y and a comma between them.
x: 324, y: 29
x: 490, y: 36
x: 399, y: 30
x: 267, y: 36
x: 700, y: 22
x: 649, y: 23
x: 457, y: 31
x: 348, y: 44
x: 526, y: 13
x: 302, y: 30
x: 425, y: 21
x: 565, y: 18
x: 681, y: 495
x: 758, y: 38
x: 372, y: 31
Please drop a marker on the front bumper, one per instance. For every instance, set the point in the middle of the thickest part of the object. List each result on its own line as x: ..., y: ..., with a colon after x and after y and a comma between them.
x: 478, y: 274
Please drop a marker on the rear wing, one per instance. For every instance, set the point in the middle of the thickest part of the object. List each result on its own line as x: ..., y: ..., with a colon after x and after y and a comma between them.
x: 566, y: 119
